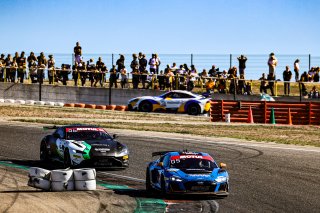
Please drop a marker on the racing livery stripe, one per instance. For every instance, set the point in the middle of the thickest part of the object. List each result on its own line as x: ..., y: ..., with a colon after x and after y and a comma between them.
x: 86, y: 154
x: 191, y: 156
x: 77, y: 129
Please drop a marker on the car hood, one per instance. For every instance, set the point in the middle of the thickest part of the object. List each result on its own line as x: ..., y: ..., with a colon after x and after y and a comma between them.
x: 107, y: 145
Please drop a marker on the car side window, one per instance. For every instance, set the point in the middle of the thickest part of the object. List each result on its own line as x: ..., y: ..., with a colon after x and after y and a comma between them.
x: 61, y: 132
x: 182, y: 95
x: 166, y: 160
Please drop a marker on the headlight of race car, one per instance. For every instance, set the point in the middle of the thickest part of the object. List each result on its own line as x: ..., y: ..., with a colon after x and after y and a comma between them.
x: 176, y: 179
x: 221, y: 179
x: 122, y: 152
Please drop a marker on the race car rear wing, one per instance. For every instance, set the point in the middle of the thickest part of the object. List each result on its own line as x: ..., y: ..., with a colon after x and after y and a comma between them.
x: 161, y: 153
x: 50, y: 127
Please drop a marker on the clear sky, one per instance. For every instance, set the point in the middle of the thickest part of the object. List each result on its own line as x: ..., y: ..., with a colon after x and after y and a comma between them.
x: 162, y: 26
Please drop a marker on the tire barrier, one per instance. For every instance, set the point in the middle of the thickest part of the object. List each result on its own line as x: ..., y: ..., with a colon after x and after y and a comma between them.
x: 120, y: 108
x: 111, y: 107
x: 79, y: 105
x: 20, y: 102
x: 68, y: 105
x: 62, y: 179
x: 9, y: 101
x: 30, y: 102
x: 49, y: 103
x: 59, y: 104
x: 1, y: 100
x: 101, y: 107
x: 41, y: 103
x: 90, y: 106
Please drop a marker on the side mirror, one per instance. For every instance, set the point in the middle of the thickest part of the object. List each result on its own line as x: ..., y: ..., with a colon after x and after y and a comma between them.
x: 56, y: 135
x: 160, y: 164
x: 114, y: 136
x: 223, y: 166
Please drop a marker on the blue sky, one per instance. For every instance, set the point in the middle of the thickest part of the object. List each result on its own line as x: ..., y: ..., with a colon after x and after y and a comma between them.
x: 163, y: 26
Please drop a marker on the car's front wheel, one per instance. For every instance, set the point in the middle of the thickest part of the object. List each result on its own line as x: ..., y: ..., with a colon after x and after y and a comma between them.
x: 163, y: 186
x: 44, y: 152
x: 67, y: 159
x: 145, y: 106
x: 148, y: 182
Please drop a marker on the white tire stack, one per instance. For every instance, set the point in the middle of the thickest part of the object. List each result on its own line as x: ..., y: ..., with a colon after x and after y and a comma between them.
x: 9, y: 101
x: 30, y: 102
x: 62, y: 180
x: 49, y: 103
x: 85, y: 179
x: 59, y: 104
x: 41, y: 103
x: 1, y: 100
x: 20, y: 102
x: 39, y: 178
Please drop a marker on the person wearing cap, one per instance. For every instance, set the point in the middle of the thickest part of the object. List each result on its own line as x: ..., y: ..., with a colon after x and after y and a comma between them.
x: 22, y: 64
x: 51, y: 70
x: 77, y: 50
x: 143, y: 69
x: 135, y: 71
x: 242, y: 64
x: 272, y: 63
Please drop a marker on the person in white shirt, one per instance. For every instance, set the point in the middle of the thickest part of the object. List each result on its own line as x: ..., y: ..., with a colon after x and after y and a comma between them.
x: 153, y: 64
x: 296, y: 69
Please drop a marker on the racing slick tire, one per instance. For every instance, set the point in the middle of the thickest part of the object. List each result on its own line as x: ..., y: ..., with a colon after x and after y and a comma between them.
x: 39, y: 172
x: 193, y: 109
x: 67, y: 159
x: 58, y: 186
x: 44, y: 155
x: 40, y: 183
x: 84, y: 174
x: 62, y: 175
x: 130, y: 108
x: 85, y: 185
x: 149, y: 188
x: 145, y: 106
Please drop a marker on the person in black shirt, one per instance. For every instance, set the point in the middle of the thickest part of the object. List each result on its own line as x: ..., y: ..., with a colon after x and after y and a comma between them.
x: 161, y: 80
x: 135, y: 71
x: 143, y: 62
x: 102, y: 69
x: 2, y: 67
x: 77, y: 50
x: 213, y: 71
x: 287, y: 74
x: 113, y: 77
x: 263, y: 83
x: 120, y: 65
x: 316, y: 75
x: 242, y: 64
x: 271, y: 78
x: 22, y: 64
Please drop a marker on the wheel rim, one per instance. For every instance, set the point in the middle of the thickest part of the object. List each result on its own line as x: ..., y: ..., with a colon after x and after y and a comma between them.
x: 193, y: 110
x: 146, y: 107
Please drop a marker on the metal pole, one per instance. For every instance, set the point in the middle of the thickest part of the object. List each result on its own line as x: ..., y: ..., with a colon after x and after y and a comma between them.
x: 40, y: 82
x: 191, y: 59
x: 230, y: 60
x: 300, y: 91
x: 109, y: 93
x: 235, y: 88
x: 309, y: 61
x: 112, y: 59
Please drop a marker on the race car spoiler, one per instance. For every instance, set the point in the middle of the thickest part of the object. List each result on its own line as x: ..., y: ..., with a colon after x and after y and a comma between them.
x: 161, y: 153
x: 50, y: 127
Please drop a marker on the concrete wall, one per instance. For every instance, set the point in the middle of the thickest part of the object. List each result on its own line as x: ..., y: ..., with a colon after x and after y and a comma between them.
x: 98, y: 95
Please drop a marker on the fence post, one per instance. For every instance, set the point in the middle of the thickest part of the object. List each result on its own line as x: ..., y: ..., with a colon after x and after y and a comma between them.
x: 309, y: 114
x: 300, y: 92
x: 230, y: 60
x: 276, y: 83
x: 191, y: 59
x: 309, y: 61
x: 265, y: 112
x: 112, y: 59
x: 235, y: 88
x: 221, y: 110
x: 109, y: 93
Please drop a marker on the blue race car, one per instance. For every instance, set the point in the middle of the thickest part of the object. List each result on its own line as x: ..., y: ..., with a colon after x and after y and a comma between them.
x: 187, y: 173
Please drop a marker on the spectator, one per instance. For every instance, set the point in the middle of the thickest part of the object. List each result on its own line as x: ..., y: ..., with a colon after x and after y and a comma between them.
x: 113, y: 77
x: 91, y: 68
x: 242, y: 63
x: 42, y: 64
x: 22, y: 64
x: 311, y: 73
x: 161, y: 80
x: 2, y: 67
x: 263, y: 83
x: 316, y: 75
x: 186, y: 68
x: 16, y: 59
x: 232, y: 86
x: 296, y: 69
x: 124, y: 79
x: 32, y: 65
x: 135, y: 71
x: 224, y: 74
x: 153, y: 64
x: 120, y: 65
x: 77, y: 50
x: 204, y: 76
x: 213, y: 71
x: 51, y: 70
x: 241, y: 85
x: 102, y: 69
x: 210, y: 85
x: 65, y: 71
x: 313, y: 93
x: 169, y: 78
x: 158, y: 62
x: 248, y: 89
x: 8, y: 62
x: 271, y: 79
x: 143, y: 69
x: 13, y: 70
x: 174, y: 68
x: 193, y: 70
x: 272, y: 63
x: 287, y: 74
x: 82, y: 71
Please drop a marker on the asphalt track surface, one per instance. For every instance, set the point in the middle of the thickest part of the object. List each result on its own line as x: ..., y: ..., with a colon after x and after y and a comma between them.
x: 262, y: 179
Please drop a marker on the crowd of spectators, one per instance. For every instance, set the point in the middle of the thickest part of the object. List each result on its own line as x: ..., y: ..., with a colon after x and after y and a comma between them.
x: 183, y: 77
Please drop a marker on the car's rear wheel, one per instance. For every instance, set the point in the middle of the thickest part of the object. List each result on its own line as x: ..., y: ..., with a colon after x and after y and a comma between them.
x: 130, y: 108
x: 145, y: 106
x: 194, y: 109
x: 67, y: 159
x: 44, y: 156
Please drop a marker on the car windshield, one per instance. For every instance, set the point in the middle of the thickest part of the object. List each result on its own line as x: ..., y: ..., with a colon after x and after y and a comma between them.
x: 87, y: 134
x: 196, y: 164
